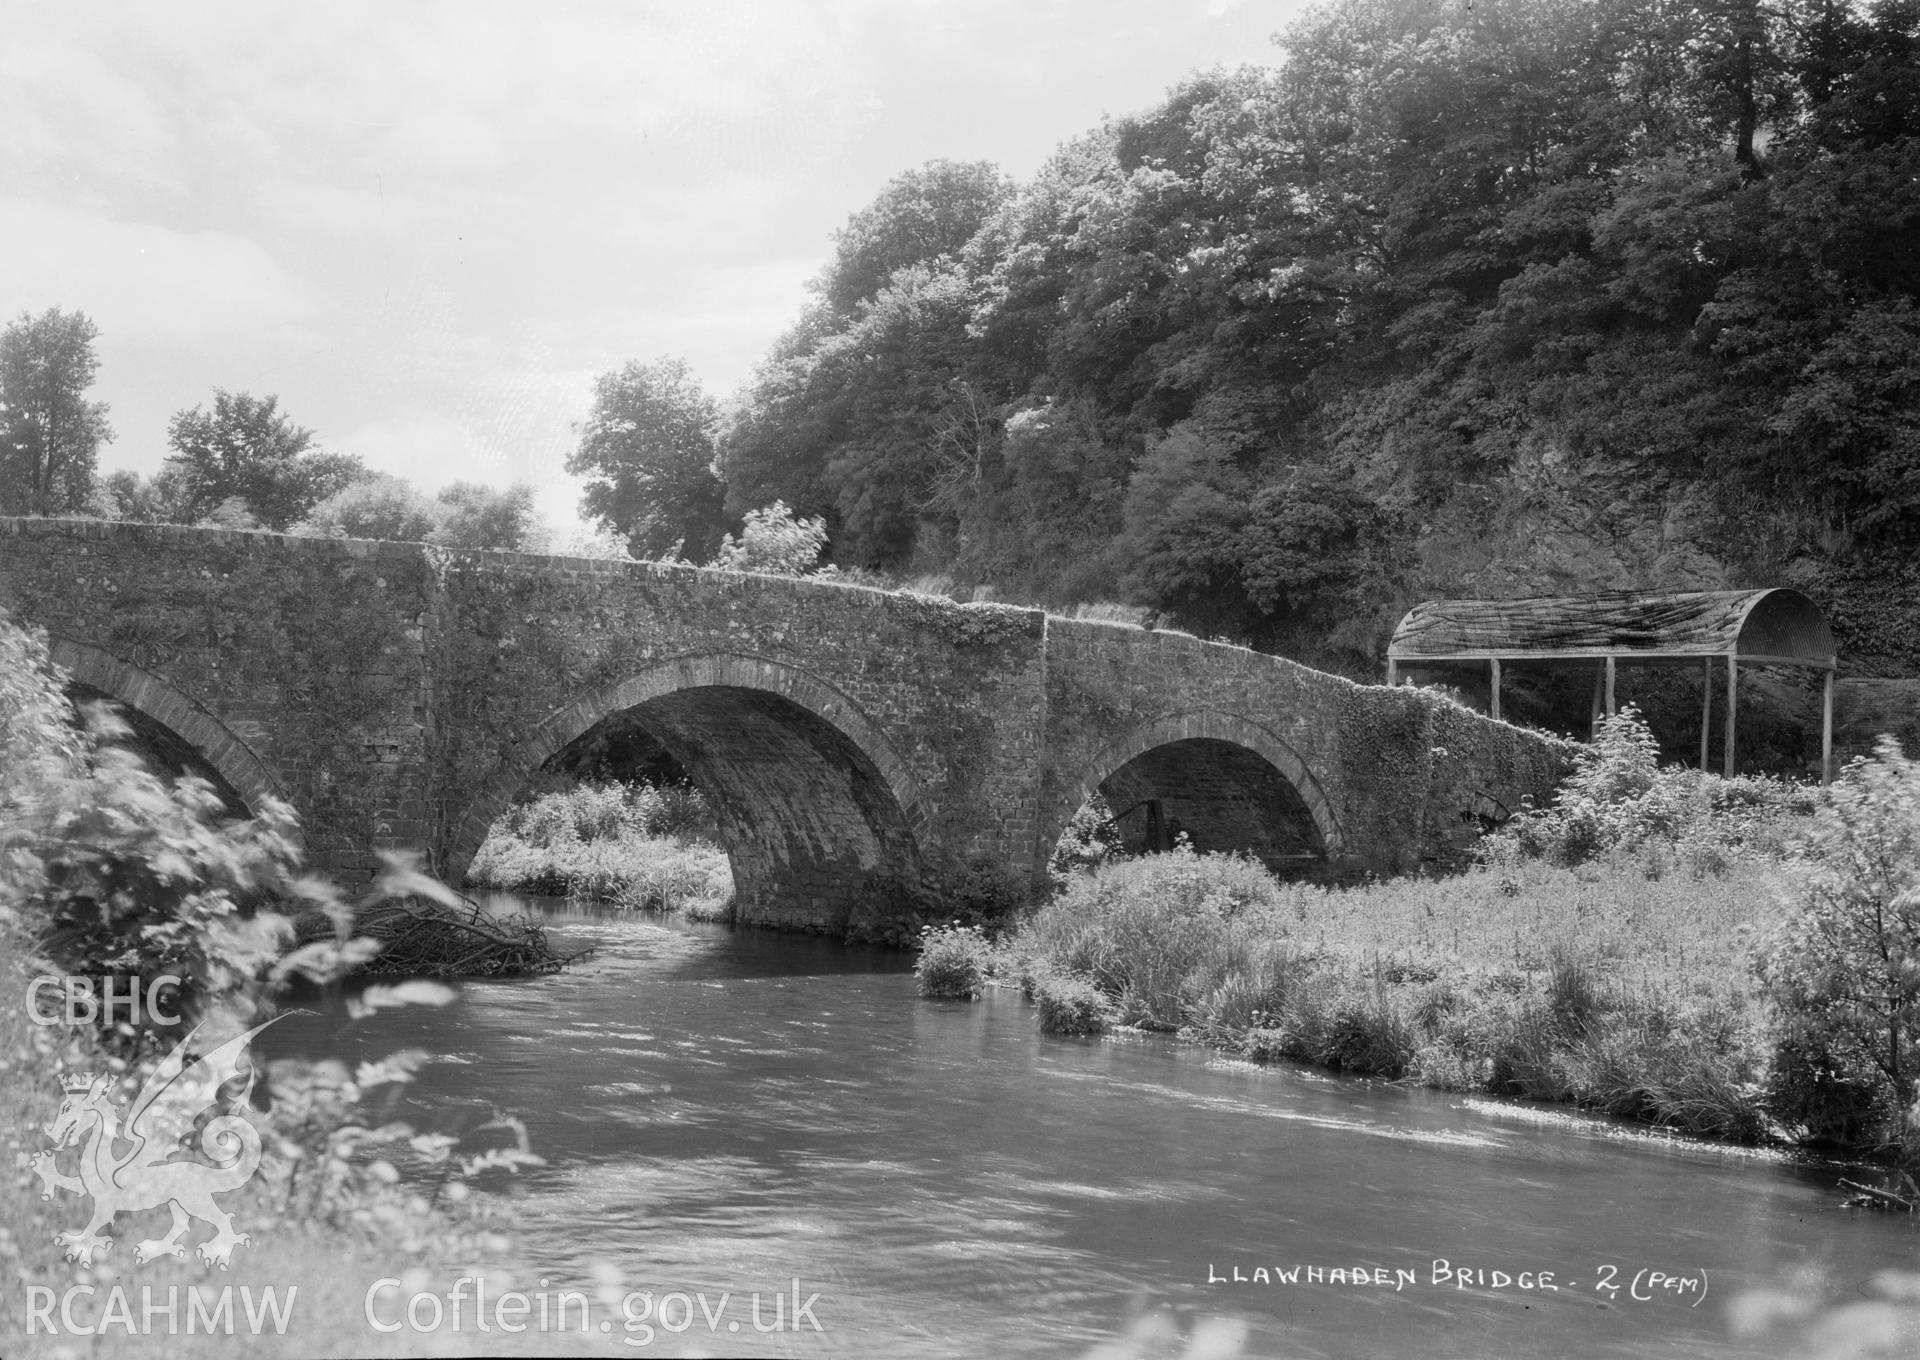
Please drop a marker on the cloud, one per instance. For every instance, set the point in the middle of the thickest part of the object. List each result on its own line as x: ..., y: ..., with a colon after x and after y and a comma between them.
x: 142, y: 281
x: 75, y: 121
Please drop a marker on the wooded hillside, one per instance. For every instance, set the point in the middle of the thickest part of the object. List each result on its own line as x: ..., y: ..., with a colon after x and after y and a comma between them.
x: 1508, y: 297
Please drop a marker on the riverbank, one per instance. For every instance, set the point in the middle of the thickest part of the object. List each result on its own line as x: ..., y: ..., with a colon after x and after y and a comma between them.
x: 1599, y: 987
x: 638, y: 846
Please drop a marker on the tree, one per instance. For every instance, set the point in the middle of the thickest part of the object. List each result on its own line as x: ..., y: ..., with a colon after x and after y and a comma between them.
x: 376, y: 507
x: 246, y: 447
x: 647, y: 452
x: 475, y: 516
x: 50, y: 434
x: 917, y: 218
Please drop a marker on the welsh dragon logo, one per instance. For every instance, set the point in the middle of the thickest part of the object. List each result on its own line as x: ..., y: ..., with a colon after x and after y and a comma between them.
x: 135, y: 1164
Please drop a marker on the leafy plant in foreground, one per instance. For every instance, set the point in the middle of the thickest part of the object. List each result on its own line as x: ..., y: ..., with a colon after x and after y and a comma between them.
x: 1843, y: 967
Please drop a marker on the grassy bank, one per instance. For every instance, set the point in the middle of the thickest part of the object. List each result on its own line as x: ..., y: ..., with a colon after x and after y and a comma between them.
x: 636, y: 845
x: 1596, y: 986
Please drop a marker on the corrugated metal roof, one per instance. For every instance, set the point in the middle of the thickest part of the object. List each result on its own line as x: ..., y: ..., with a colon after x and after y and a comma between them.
x: 1772, y: 625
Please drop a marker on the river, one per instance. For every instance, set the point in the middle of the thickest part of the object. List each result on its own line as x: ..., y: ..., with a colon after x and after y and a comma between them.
x: 731, y: 1111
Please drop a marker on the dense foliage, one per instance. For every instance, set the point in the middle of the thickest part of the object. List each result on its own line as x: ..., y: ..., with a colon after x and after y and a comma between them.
x: 1843, y: 966
x: 1619, y: 800
x: 1462, y: 298
x: 461, y: 515
x: 643, y: 845
x: 245, y: 456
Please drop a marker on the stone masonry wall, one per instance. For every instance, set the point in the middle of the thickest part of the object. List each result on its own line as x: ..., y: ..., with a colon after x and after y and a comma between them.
x: 308, y: 655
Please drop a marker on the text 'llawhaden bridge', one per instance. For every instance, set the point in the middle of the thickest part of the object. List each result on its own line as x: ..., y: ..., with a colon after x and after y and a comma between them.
x: 860, y: 748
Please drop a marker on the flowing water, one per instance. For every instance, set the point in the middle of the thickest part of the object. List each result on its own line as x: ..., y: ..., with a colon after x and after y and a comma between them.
x: 731, y: 1111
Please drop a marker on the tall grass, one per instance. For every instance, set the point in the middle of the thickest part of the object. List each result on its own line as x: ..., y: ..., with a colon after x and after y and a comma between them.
x: 638, y: 845
x: 1596, y: 985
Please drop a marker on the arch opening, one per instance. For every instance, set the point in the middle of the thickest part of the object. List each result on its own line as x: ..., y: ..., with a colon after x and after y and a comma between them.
x: 1221, y: 796
x: 171, y: 731
x: 164, y: 751
x: 806, y: 803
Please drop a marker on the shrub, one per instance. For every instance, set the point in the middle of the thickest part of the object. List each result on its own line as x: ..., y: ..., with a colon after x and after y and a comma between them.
x: 1618, y: 800
x: 1159, y: 934
x: 985, y: 891
x: 773, y: 540
x: 1843, y: 966
x: 710, y: 908
x: 952, y: 962
x: 1070, y: 1005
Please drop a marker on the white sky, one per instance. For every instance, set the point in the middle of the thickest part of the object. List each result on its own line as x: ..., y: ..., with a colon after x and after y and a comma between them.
x: 427, y: 226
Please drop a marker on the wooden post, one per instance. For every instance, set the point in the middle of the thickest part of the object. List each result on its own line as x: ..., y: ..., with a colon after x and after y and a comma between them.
x: 1826, y: 731
x: 1733, y: 706
x: 1599, y: 690
x: 1706, y: 709
x: 1393, y: 669
x: 1493, y: 667
x: 1611, y: 708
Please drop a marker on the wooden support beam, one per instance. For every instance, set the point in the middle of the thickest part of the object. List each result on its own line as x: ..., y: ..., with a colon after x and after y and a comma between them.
x: 1706, y: 709
x: 1493, y: 669
x: 1612, y: 708
x: 1393, y: 672
x: 1733, y: 708
x: 1826, y: 731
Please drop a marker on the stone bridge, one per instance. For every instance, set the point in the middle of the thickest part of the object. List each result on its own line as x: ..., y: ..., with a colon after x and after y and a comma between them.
x: 863, y: 750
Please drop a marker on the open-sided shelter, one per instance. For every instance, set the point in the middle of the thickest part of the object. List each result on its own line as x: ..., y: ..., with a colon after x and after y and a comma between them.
x: 1707, y: 628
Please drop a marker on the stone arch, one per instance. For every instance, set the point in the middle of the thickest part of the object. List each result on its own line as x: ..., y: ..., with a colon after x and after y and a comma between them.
x: 1484, y: 810
x: 822, y: 811
x: 231, y: 758
x: 1196, y: 735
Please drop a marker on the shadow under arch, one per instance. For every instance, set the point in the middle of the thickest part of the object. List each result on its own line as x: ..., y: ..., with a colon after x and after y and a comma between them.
x: 822, y: 817
x: 146, y: 695
x: 1229, y: 783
